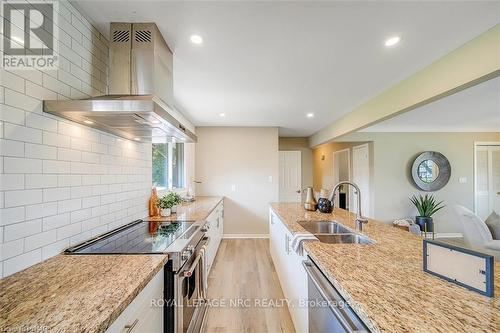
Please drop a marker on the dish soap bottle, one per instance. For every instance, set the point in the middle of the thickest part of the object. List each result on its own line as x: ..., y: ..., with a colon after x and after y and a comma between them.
x: 153, y: 208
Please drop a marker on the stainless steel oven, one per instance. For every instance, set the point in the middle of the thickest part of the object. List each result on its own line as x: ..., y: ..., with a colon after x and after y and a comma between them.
x: 190, y: 287
x: 328, y: 311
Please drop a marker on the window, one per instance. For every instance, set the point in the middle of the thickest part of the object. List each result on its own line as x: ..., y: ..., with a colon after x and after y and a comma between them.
x: 168, y: 165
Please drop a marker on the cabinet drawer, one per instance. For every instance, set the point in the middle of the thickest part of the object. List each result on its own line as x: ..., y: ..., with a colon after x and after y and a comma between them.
x: 140, y: 315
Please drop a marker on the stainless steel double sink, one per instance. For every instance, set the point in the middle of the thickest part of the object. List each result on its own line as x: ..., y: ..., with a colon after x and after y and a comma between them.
x: 332, y: 232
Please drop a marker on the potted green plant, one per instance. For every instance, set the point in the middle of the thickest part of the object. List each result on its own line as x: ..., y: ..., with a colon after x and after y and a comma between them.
x: 426, y: 206
x: 165, y: 204
x: 176, y: 200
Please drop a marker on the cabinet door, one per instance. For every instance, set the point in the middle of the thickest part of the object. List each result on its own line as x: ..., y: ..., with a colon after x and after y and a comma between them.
x: 139, y: 315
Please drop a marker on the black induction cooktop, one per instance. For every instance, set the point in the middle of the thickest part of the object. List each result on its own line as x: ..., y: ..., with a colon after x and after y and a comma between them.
x: 138, y: 237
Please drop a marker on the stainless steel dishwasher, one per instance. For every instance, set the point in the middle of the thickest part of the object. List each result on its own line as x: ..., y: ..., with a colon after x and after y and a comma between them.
x: 328, y: 311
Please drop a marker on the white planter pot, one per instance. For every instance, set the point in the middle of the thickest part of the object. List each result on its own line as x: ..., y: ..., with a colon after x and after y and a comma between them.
x: 174, y: 209
x: 164, y: 212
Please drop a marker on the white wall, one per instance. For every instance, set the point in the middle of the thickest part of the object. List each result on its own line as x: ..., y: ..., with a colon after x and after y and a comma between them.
x: 393, y: 154
x: 244, y: 157
x: 62, y: 183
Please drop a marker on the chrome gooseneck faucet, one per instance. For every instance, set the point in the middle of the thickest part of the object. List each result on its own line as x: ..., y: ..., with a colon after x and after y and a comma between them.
x: 360, y: 220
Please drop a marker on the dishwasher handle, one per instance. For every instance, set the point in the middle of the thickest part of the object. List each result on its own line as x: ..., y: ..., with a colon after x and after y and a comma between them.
x: 327, y: 291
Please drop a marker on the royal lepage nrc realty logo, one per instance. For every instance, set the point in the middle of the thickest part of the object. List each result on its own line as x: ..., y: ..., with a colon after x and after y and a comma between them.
x: 29, y: 35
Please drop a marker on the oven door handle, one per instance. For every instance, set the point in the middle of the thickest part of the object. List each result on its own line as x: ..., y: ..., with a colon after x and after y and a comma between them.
x: 325, y: 290
x: 189, y: 272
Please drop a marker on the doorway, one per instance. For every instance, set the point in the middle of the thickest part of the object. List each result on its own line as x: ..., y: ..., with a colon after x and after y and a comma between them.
x: 342, y: 172
x: 486, y: 178
x: 290, y: 182
x: 361, y: 177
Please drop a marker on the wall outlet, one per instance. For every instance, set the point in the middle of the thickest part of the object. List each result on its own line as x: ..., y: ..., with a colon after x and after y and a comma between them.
x: 462, y: 180
x: 270, y: 179
x: 233, y: 188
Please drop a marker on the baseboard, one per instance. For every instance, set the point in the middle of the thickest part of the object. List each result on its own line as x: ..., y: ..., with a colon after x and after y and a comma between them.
x: 236, y: 236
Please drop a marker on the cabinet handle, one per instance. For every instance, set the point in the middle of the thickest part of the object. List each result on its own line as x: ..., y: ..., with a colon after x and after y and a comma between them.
x: 130, y: 328
x: 218, y: 219
x: 286, y: 244
x: 272, y: 220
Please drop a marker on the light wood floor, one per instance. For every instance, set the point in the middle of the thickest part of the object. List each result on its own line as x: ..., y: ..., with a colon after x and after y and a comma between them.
x: 243, y: 269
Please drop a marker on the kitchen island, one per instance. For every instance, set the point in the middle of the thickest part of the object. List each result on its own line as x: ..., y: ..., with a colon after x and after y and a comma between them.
x: 384, y: 282
x: 83, y: 293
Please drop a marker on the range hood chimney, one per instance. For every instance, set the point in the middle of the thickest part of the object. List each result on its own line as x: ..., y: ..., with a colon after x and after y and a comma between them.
x: 140, y: 100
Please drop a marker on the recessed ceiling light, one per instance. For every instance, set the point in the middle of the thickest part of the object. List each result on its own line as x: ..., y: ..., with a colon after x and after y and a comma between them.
x: 310, y: 115
x: 196, y: 39
x: 155, y: 121
x: 183, y: 139
x: 392, y: 41
x: 88, y: 122
x: 222, y: 115
x: 137, y: 139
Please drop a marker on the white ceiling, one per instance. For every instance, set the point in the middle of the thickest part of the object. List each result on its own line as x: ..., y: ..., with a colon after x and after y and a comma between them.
x: 270, y: 63
x: 476, y: 109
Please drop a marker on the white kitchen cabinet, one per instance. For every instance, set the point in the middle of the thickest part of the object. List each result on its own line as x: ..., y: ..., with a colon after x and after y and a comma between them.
x: 215, y: 232
x: 140, y: 315
x: 291, y: 273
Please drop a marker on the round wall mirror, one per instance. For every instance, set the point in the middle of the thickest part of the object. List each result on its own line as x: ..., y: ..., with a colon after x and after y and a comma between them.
x: 431, y: 171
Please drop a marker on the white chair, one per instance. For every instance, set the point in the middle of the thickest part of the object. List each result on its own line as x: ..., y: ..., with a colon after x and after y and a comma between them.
x: 475, y: 231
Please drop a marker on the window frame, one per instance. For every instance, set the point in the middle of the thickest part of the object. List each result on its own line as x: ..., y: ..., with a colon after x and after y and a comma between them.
x: 170, y: 168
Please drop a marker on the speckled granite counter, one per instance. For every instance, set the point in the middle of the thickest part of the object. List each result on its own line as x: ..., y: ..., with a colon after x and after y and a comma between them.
x: 385, y: 284
x: 192, y: 211
x: 83, y: 293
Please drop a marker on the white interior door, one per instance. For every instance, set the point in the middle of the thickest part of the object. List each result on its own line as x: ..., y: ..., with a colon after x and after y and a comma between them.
x: 342, y: 172
x: 290, y: 176
x: 487, y: 180
x: 361, y: 177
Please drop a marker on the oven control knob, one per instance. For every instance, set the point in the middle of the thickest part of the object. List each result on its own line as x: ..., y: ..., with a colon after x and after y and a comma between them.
x: 205, y: 228
x: 190, y: 248
x: 185, y: 254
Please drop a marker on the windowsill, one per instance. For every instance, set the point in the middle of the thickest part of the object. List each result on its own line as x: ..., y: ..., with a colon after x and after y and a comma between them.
x: 163, y: 190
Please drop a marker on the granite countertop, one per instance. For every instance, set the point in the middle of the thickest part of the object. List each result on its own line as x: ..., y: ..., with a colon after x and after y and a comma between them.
x: 384, y: 283
x: 83, y: 293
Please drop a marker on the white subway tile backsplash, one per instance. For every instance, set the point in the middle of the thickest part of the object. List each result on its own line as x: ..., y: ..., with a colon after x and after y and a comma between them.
x: 22, y: 101
x: 12, y: 215
x: 69, y: 230
x: 55, y: 194
x: 91, y: 202
x: 22, y: 197
x: 62, y: 183
x: 64, y: 154
x: 40, y: 181
x: 54, y: 248
x: 12, y: 81
x: 55, y: 85
x: 12, y: 115
x: 56, y: 221
x: 22, y: 165
x: 21, y: 230
x: 41, y: 210
x: 39, y: 92
x: 81, y: 191
x: 11, y: 249
x: 56, y: 167
x: 11, y: 148
x: 25, y: 260
x: 32, y: 75
x: 39, y: 240
x: 40, y: 151
x: 81, y: 215
x: 69, y: 205
x: 41, y: 122
x: 21, y: 133
x: 11, y: 182
x: 69, y: 180
x: 54, y: 139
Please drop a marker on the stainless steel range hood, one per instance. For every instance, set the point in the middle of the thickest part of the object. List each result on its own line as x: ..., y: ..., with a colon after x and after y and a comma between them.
x: 140, y: 104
